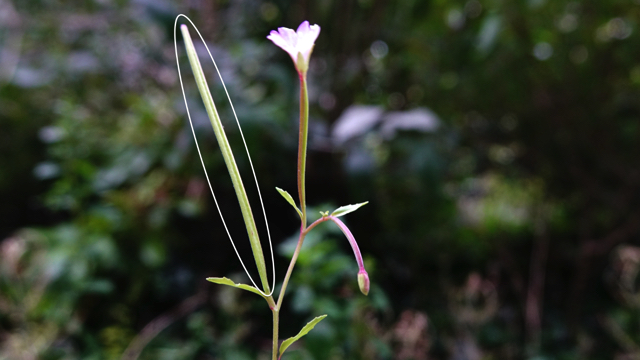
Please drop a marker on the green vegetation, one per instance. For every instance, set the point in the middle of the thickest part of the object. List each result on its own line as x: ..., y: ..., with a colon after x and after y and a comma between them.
x: 498, y: 151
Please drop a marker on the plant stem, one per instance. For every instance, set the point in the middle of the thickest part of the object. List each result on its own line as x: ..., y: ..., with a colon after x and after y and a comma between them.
x: 276, y: 310
x: 276, y: 320
x: 302, y: 164
x: 292, y: 264
x: 302, y: 147
x: 352, y: 241
x: 227, y: 154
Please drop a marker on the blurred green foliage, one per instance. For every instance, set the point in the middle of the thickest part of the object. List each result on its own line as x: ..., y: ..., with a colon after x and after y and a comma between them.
x: 499, y: 156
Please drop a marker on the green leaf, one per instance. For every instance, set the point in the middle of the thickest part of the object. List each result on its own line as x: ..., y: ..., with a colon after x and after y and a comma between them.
x: 344, y: 210
x: 289, y: 199
x: 227, y: 281
x: 310, y: 325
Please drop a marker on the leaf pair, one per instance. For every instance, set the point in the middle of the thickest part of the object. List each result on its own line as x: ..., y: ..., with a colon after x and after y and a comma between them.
x: 342, y: 210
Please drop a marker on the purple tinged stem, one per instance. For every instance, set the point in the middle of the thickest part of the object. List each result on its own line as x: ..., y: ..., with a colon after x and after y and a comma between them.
x: 352, y: 241
x: 363, y: 277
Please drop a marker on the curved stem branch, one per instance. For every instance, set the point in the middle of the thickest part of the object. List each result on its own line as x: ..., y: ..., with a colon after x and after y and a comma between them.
x: 292, y: 264
x: 350, y: 238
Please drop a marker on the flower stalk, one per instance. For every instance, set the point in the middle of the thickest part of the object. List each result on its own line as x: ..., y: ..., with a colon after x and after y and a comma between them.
x: 302, y: 148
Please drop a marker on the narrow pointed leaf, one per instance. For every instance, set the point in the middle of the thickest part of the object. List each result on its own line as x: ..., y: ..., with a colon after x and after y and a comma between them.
x: 344, y: 210
x: 227, y: 155
x: 310, y: 325
x: 289, y: 199
x: 227, y: 281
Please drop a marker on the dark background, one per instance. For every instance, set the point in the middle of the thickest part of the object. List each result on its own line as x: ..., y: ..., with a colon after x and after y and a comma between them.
x: 498, y: 150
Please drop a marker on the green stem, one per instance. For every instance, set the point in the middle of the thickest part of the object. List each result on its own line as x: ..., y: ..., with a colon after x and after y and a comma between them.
x: 302, y: 146
x: 292, y: 264
x: 302, y: 162
x: 276, y: 320
x: 227, y: 154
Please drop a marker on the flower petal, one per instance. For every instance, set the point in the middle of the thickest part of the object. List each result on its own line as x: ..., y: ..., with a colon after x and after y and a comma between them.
x: 306, y: 40
x: 307, y: 36
x: 283, y: 42
x: 304, y: 26
x: 289, y: 36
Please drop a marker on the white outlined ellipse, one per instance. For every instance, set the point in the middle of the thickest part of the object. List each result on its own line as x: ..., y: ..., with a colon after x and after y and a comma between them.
x: 184, y: 96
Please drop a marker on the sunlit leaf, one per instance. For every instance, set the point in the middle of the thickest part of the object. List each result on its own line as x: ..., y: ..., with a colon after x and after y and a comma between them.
x: 289, y: 199
x: 343, y: 210
x: 310, y: 325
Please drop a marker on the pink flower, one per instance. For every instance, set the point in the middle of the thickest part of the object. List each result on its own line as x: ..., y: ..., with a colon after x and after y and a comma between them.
x: 299, y: 44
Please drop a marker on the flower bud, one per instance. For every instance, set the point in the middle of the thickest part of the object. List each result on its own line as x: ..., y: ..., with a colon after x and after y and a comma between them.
x: 363, y: 281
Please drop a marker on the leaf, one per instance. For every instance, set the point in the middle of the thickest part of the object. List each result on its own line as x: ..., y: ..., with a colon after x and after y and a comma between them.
x: 310, y: 325
x: 344, y: 210
x: 227, y: 281
x: 289, y: 199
